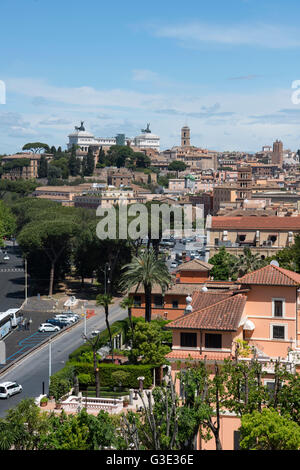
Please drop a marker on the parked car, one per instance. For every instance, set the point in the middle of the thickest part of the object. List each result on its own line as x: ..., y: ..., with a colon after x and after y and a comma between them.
x: 56, y: 322
x: 72, y: 314
x: 174, y: 264
x: 7, y: 389
x: 48, y: 327
x: 66, y: 318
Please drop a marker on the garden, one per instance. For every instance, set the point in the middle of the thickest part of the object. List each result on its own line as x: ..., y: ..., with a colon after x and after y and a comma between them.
x: 94, y: 373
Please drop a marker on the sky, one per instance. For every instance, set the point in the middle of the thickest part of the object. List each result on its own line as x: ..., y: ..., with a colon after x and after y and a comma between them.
x: 224, y: 68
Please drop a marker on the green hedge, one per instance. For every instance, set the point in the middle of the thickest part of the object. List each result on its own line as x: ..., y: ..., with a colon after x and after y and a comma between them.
x: 82, y: 369
x: 133, y: 371
x: 61, y: 382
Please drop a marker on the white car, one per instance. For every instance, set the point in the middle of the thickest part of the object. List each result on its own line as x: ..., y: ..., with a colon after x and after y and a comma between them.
x: 6, y: 257
x: 7, y: 389
x: 174, y: 264
x: 48, y: 327
x: 66, y: 318
x: 70, y: 314
x: 95, y: 333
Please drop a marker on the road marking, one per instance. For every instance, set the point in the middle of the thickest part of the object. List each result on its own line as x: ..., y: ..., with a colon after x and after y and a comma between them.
x: 12, y: 270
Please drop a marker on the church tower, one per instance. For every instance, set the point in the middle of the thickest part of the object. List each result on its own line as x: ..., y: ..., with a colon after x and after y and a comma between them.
x: 185, y: 136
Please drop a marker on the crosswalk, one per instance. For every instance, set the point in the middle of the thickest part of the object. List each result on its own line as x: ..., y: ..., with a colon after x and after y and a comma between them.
x: 11, y: 270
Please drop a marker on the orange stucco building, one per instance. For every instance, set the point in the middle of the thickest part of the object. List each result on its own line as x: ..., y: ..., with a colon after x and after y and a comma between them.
x: 171, y: 304
x: 264, y: 310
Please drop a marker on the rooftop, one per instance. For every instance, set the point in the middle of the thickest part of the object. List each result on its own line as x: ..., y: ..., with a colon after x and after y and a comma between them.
x: 194, y: 265
x: 224, y: 315
x: 271, y: 275
x: 256, y: 223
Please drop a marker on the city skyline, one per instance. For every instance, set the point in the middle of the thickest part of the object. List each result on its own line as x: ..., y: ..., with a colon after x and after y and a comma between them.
x: 226, y: 71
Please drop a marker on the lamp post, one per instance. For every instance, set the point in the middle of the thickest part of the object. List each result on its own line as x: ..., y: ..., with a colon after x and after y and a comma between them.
x: 106, y: 279
x: 50, y: 360
x: 26, y: 286
x: 84, y: 323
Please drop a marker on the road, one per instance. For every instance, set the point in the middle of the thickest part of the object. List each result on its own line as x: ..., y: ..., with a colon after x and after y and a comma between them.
x: 12, y: 279
x: 33, y: 370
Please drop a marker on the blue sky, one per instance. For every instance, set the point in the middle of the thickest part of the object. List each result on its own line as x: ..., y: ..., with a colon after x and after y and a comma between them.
x: 225, y: 68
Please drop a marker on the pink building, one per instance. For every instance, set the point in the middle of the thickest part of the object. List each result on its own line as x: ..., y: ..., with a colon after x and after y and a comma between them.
x: 264, y: 311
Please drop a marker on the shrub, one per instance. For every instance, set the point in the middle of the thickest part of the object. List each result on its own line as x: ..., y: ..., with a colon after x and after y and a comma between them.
x: 61, y: 382
x: 85, y: 379
x: 120, y: 377
x: 132, y: 373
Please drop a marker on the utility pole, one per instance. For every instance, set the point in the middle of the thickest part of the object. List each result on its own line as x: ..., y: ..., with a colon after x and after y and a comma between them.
x: 84, y: 323
x: 106, y: 278
x: 26, y: 286
x: 50, y: 360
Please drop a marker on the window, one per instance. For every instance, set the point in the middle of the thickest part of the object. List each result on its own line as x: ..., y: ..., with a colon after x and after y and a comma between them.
x: 158, y: 301
x: 175, y: 303
x: 213, y: 341
x: 278, y: 308
x: 188, y: 340
x: 278, y: 332
x: 270, y: 386
x: 137, y: 301
x: 236, y: 440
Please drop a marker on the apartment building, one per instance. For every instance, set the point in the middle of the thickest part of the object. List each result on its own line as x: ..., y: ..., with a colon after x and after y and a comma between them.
x: 265, y: 235
x: 264, y: 311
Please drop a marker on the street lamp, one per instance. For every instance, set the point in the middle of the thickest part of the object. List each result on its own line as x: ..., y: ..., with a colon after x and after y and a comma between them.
x: 106, y: 280
x: 26, y: 286
x: 50, y: 360
x: 84, y: 323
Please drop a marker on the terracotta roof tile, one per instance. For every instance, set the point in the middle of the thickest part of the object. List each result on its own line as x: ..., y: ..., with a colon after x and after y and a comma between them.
x: 196, y: 355
x: 223, y: 315
x: 194, y: 265
x: 256, y: 223
x: 272, y: 276
x: 206, y: 299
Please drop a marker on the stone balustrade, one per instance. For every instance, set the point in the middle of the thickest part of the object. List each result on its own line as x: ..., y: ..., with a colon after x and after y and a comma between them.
x: 74, y: 404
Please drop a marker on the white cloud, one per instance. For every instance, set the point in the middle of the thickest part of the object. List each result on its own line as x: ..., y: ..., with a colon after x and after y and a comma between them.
x: 259, y: 35
x: 84, y: 95
x: 218, y: 120
x: 142, y: 75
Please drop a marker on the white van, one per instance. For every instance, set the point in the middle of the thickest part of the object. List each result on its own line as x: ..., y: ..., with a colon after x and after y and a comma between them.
x: 7, y: 389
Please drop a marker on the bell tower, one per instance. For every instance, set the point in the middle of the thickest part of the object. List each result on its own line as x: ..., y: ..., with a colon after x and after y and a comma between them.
x: 185, y: 136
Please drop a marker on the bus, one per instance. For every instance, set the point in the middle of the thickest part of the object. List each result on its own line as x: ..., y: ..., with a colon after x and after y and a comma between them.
x: 8, y: 321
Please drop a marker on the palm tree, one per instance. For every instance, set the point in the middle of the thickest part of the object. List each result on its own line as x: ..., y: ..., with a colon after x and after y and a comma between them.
x: 148, y: 270
x: 248, y: 262
x: 95, y: 345
x: 128, y: 303
x: 105, y: 300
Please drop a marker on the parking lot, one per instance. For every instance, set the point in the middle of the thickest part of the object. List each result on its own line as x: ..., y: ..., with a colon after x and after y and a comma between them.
x: 21, y: 340
x: 193, y: 250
